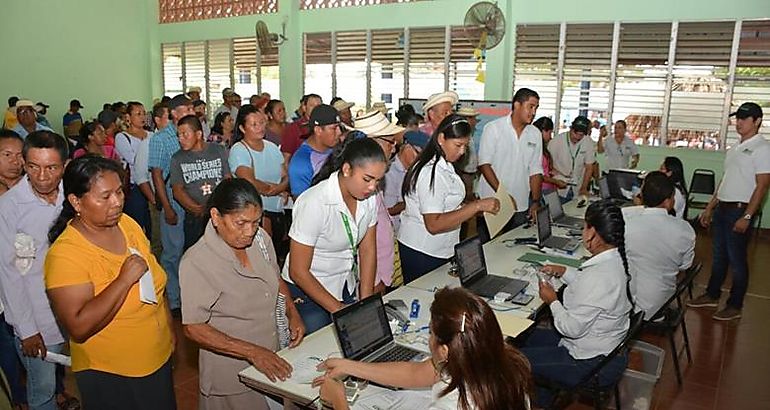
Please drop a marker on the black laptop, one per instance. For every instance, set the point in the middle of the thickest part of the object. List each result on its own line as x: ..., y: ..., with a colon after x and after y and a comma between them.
x: 472, y: 269
x: 546, y: 240
x: 558, y: 217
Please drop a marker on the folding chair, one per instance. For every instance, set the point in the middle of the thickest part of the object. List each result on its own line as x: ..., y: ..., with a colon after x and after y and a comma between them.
x: 703, y: 183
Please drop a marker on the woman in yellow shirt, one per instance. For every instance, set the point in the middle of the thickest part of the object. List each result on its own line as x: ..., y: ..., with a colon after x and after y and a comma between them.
x: 120, y: 338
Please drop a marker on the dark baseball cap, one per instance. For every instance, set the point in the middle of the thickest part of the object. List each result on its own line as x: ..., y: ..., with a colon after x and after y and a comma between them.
x: 107, y: 117
x: 746, y: 110
x: 324, y: 114
x: 76, y: 103
x: 418, y: 139
x: 178, y: 101
x: 581, y: 124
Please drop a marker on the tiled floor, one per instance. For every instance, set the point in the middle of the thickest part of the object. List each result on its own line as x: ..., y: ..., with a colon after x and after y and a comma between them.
x: 731, y: 361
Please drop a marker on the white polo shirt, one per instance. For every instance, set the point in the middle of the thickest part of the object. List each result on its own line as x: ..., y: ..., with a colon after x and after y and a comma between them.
x: 680, y: 203
x: 514, y: 158
x: 742, y: 164
x: 619, y: 155
x: 658, y: 246
x: 447, y: 195
x: 570, y: 160
x: 317, y: 222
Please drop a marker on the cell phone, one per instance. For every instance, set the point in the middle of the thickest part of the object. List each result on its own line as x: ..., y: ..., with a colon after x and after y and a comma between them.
x: 522, y: 298
x: 544, y: 277
x: 351, y: 390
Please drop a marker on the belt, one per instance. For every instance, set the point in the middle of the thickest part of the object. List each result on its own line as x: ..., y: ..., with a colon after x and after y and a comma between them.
x: 732, y: 205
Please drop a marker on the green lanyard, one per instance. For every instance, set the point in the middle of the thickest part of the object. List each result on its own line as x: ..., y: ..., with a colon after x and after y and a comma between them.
x: 353, y: 248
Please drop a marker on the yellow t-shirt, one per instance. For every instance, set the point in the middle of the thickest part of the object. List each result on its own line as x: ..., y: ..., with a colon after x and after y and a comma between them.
x: 10, y: 120
x: 137, y: 341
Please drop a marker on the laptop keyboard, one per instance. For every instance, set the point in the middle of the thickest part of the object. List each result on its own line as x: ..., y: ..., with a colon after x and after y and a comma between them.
x: 558, y: 242
x: 397, y: 353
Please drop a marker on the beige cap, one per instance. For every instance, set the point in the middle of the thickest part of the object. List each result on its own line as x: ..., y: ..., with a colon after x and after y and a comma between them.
x: 342, y: 105
x: 194, y: 89
x: 436, y: 99
x: 467, y: 112
x: 375, y: 124
x: 24, y: 103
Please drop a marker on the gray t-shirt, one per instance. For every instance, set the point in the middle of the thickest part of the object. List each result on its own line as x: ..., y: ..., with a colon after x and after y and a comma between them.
x: 199, y: 172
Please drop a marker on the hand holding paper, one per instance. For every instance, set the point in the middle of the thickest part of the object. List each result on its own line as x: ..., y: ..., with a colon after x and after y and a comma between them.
x: 146, y: 285
x: 496, y: 223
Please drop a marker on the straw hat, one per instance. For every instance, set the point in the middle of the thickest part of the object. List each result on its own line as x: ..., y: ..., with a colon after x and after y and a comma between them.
x: 447, y: 96
x: 375, y: 124
x: 381, y: 107
x: 342, y: 105
x: 467, y: 112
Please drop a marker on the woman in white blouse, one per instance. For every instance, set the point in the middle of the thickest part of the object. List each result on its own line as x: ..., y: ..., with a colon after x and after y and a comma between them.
x: 434, y: 193
x: 471, y: 366
x: 595, y: 314
x: 333, y: 255
x: 673, y: 168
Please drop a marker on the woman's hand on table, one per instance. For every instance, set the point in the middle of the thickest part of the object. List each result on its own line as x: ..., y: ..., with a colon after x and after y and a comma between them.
x: 269, y: 363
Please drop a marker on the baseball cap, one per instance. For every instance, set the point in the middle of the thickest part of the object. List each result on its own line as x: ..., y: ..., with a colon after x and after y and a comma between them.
x: 24, y: 103
x: 41, y: 106
x: 581, y: 124
x: 178, y: 101
x: 748, y: 109
x: 342, y: 105
x: 323, y: 114
x: 228, y: 92
x: 76, y: 103
x: 416, y: 138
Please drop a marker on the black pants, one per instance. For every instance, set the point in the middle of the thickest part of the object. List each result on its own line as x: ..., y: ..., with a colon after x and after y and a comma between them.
x: 194, y: 226
x: 106, y: 391
x: 415, y: 264
x: 279, y: 224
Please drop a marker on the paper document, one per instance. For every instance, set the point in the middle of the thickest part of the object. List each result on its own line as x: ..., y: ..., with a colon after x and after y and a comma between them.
x: 392, y: 400
x: 58, y: 358
x: 305, y: 370
x: 146, y: 285
x: 496, y: 223
x: 512, y: 325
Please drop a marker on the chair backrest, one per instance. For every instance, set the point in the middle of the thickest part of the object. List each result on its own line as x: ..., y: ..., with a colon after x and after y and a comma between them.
x: 703, y: 182
x: 637, y: 319
x: 683, y: 284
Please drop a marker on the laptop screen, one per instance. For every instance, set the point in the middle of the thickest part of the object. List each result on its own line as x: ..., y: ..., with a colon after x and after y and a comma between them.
x: 619, y: 180
x: 543, y: 225
x: 362, y: 328
x: 469, y: 256
x: 554, y: 204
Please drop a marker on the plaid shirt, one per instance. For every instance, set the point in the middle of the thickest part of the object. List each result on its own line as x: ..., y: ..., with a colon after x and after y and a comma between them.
x: 163, y: 145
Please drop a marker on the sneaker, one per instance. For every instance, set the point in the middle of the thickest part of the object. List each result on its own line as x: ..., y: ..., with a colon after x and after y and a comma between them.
x: 703, y: 300
x: 728, y: 313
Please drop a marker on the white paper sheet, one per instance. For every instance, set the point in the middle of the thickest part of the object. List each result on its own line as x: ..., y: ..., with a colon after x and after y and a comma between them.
x: 146, y: 285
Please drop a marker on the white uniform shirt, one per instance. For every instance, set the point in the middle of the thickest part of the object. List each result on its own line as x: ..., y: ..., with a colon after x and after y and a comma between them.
x: 570, y: 160
x: 514, y: 159
x: 317, y: 222
x: 447, y: 194
x: 619, y: 155
x: 595, y: 315
x: 658, y: 246
x: 742, y: 164
x: 680, y: 203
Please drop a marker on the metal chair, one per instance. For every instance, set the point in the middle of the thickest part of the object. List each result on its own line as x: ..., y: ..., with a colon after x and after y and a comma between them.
x: 671, y: 316
x: 703, y: 183
x: 589, y: 386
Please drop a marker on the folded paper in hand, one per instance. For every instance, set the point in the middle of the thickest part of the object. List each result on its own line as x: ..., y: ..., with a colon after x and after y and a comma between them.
x: 146, y: 285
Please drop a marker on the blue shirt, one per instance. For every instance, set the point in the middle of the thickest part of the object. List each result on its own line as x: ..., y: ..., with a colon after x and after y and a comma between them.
x: 266, y: 166
x: 304, y: 164
x: 23, y: 131
x: 69, y: 117
x: 24, y: 222
x: 163, y: 145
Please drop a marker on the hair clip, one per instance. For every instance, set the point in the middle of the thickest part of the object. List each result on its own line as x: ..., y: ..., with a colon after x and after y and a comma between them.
x: 462, y: 324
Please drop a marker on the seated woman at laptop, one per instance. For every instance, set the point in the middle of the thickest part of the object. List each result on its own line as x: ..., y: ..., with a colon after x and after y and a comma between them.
x: 434, y: 193
x: 595, y: 314
x: 471, y: 366
x: 332, y: 254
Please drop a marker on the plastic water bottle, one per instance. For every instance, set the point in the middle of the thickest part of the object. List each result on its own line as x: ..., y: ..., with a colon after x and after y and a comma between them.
x: 415, y: 312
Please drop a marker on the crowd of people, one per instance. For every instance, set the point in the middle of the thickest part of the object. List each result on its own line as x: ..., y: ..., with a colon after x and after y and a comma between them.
x: 253, y: 229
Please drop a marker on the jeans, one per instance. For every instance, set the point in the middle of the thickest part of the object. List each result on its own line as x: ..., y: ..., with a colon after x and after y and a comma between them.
x: 415, y: 264
x: 9, y: 362
x: 552, y: 362
x: 729, y: 249
x: 137, y: 208
x: 314, y: 316
x: 41, y: 378
x: 172, y: 238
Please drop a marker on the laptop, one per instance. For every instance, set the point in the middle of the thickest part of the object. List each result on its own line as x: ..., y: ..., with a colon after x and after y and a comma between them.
x: 546, y: 240
x: 363, y: 333
x: 558, y: 217
x: 472, y: 269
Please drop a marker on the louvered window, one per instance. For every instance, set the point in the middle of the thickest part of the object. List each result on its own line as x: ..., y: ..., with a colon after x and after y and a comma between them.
x: 535, y: 66
x: 387, y: 67
x: 699, y: 84
x: 318, y: 65
x: 426, y: 61
x: 171, y: 53
x: 195, y: 66
x: 220, y: 74
x: 641, y: 78
x: 585, y: 86
x: 464, y: 69
x: 245, y: 68
x: 351, y: 67
x: 752, y: 73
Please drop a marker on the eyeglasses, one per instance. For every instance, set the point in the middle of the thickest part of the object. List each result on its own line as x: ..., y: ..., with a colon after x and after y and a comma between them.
x: 388, y: 140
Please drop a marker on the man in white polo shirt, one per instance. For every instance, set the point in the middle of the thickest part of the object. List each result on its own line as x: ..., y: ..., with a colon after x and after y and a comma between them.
x: 574, y: 158
x: 732, y: 209
x: 510, y: 154
x: 658, y: 244
x: 620, y: 150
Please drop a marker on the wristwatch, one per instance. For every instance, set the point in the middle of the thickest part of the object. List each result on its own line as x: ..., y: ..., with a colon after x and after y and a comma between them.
x: 747, y: 217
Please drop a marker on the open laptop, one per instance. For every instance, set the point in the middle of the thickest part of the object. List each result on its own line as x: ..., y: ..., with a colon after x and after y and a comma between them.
x: 546, y: 240
x: 558, y: 217
x: 363, y: 333
x: 472, y: 269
